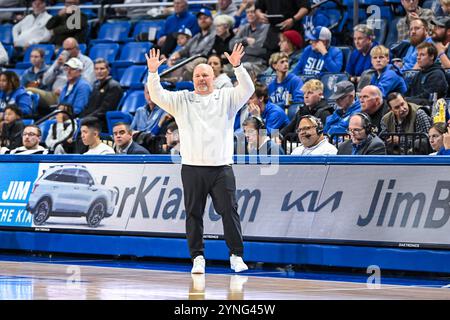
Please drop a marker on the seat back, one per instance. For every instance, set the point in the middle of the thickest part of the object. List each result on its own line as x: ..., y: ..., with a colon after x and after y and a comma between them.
x: 133, y: 100
x: 329, y: 80
x: 113, y: 117
x: 106, y: 51
x: 132, y: 77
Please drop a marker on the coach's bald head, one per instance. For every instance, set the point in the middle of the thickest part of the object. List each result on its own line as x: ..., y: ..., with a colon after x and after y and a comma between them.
x: 203, y: 79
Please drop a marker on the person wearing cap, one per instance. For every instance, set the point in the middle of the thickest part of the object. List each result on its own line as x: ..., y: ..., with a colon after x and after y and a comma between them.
x: 291, y: 42
x: 418, y: 33
x: 285, y: 89
x: 359, y: 60
x: 388, y: 78
x: 77, y: 90
x: 291, y: 12
x: 183, y: 36
x: 201, y: 43
x: 362, y: 139
x: 429, y: 80
x: 180, y: 19
x: 346, y: 105
x: 441, y: 39
x: 252, y: 35
x: 320, y: 56
x: 413, y: 11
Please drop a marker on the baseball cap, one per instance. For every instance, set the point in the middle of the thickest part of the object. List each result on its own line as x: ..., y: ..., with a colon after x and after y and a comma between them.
x: 204, y: 11
x: 185, y: 31
x: 319, y: 33
x: 74, y: 63
x: 443, y: 22
x: 341, y: 89
x: 294, y: 37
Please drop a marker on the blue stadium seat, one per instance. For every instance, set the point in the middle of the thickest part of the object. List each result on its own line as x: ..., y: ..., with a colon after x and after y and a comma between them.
x: 392, y: 33
x: 346, y: 50
x: 429, y: 4
x: 49, y: 50
x: 6, y: 34
x: 27, y: 122
x: 329, y: 80
x: 19, y: 72
x: 408, y: 75
x: 380, y: 28
x: 113, y: 32
x: 307, y: 77
x: 144, y: 26
x: 9, y: 50
x: 106, y: 51
x: 184, y: 85
x: 132, y: 77
x: 112, y: 117
x: 292, y: 110
x: 132, y: 53
x: 45, y: 128
x: 34, y: 101
x: 133, y: 100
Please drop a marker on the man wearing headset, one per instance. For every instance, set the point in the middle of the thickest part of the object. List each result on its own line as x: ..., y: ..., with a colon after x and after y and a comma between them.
x: 257, y: 140
x: 310, y: 134
x: 362, y: 140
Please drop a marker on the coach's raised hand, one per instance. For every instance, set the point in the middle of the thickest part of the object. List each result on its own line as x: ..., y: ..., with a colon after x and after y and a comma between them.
x: 153, y: 61
x: 236, y: 55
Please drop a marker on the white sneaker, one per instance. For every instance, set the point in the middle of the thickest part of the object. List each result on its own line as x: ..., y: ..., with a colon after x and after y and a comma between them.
x: 199, y: 265
x: 237, y: 264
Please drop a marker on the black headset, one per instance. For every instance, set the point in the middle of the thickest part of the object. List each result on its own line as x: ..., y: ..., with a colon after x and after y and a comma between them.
x: 367, y: 123
x: 316, y: 121
x: 260, y: 125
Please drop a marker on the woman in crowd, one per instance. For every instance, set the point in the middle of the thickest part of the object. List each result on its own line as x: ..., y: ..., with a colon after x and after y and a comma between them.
x: 222, y: 80
x: 11, y: 92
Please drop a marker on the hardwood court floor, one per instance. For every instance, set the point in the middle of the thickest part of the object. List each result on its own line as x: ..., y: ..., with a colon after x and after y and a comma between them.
x: 43, y: 281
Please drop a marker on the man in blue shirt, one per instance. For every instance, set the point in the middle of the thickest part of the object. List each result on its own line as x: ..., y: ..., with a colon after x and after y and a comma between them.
x: 418, y: 33
x: 320, y: 56
x: 77, y: 90
x: 344, y: 95
x: 359, y: 59
x: 147, y: 117
x: 181, y: 18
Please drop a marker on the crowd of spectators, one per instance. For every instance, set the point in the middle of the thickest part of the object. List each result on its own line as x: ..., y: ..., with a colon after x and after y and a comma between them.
x: 388, y: 93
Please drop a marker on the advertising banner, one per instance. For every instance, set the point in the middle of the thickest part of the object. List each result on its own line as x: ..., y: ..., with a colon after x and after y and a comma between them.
x: 328, y: 203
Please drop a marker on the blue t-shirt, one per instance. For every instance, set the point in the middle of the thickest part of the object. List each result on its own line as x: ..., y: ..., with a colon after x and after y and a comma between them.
x: 357, y: 62
x: 291, y: 85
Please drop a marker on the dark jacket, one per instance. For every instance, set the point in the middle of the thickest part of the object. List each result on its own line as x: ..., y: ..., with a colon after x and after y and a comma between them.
x: 105, y: 97
x: 425, y: 83
x: 321, y: 110
x: 61, y: 29
x: 372, y: 146
x: 11, y: 137
x: 137, y: 149
x: 378, y: 115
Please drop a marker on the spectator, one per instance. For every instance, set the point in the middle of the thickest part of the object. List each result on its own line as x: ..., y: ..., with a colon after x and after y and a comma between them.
x: 147, y: 118
x: 291, y: 11
x: 362, y: 140
x: 418, y: 34
x: 33, y: 76
x: 180, y: 19
x: 182, y: 37
x: 73, y: 48
x: 259, y: 105
x: 201, y: 43
x: 63, y: 25
x: 291, y: 42
x: 413, y: 11
x: 258, y: 143
x: 61, y: 130
x: 344, y: 95
x: 105, y: 95
x: 11, y: 92
x: 77, y: 90
x: 430, y: 79
x: 359, y: 60
x: 31, y: 29
x: 314, y: 105
x: 313, y: 142
x: 12, y: 128
x: 444, y: 8
x: 123, y: 140
x: 240, y: 16
x: 221, y: 79
x: 172, y: 145
x: 387, y: 77
x: 3, y: 55
x: 135, y: 13
x: 403, y: 117
x: 90, y: 136
x: 224, y: 33
x: 436, y: 136
x: 441, y: 39
x: 286, y: 88
x: 373, y: 104
x: 252, y: 35
x: 31, y: 137
x: 320, y: 56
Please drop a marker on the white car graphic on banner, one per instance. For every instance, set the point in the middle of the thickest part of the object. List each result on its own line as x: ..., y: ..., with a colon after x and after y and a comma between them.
x: 71, y: 191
